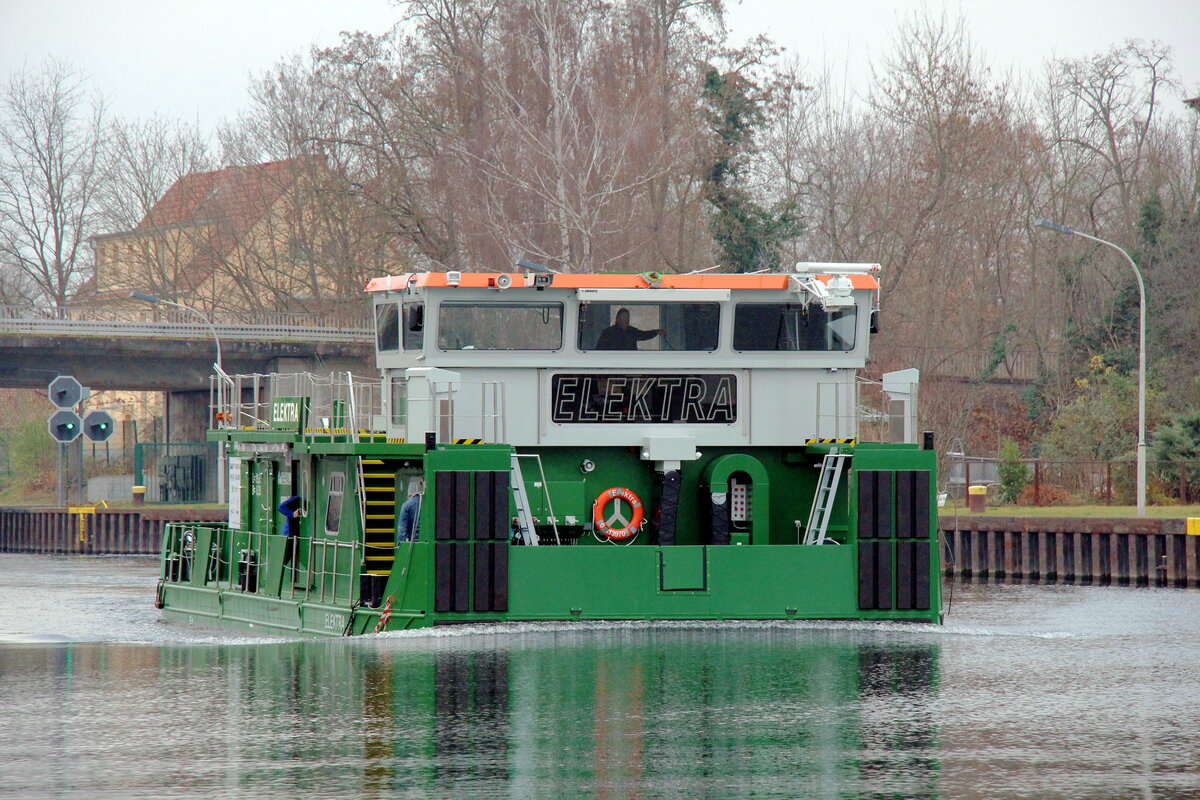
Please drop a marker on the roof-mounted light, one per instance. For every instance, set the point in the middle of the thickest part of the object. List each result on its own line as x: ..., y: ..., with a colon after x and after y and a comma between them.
x: 834, y: 294
x: 836, y: 268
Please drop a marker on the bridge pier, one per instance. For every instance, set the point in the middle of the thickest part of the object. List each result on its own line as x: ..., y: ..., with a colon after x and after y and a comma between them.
x: 186, y: 415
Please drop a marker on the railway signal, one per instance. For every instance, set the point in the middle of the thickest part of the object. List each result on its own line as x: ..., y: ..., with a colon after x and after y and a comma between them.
x: 66, y: 392
x: 64, y: 425
x: 98, y: 426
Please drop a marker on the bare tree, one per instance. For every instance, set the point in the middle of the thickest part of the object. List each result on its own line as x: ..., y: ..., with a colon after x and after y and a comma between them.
x: 1104, y: 108
x: 143, y: 160
x: 325, y: 240
x: 50, y: 170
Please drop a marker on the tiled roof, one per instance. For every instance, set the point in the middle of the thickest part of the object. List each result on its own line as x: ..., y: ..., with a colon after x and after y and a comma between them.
x: 240, y: 195
x: 230, y: 202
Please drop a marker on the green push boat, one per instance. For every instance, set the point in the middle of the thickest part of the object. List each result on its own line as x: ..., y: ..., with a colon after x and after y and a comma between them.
x: 546, y: 446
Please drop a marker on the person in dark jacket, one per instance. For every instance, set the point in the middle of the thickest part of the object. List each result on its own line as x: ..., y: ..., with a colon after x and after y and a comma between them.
x: 408, y: 527
x: 292, y: 510
x: 623, y: 336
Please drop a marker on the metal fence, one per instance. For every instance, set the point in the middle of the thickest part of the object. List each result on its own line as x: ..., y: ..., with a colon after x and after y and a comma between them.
x: 950, y: 362
x: 1064, y: 483
x: 177, y: 472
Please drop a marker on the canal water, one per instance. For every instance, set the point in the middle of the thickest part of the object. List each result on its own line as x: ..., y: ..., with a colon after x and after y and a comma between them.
x: 1026, y: 692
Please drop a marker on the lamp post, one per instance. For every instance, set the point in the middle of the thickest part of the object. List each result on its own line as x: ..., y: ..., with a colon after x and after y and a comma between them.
x: 1137, y: 273
x: 149, y: 298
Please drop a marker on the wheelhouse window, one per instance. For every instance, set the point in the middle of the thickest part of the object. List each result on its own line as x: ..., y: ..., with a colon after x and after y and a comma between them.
x: 387, y: 326
x: 649, y: 326
x: 414, y: 326
x: 793, y: 327
x: 333, y: 510
x: 399, y: 401
x: 500, y: 326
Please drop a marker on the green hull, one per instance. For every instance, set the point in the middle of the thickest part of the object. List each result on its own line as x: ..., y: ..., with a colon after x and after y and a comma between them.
x: 547, y: 583
x: 346, y: 576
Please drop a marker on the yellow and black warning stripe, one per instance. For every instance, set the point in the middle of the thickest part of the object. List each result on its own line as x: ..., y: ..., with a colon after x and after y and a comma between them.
x: 831, y: 441
x: 468, y: 441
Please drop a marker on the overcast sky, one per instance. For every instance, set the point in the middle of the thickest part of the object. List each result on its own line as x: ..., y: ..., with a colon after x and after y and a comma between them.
x: 192, y: 58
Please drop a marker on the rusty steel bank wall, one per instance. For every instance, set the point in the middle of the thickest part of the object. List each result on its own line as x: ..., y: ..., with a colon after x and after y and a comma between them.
x: 103, y: 531
x: 1110, y: 551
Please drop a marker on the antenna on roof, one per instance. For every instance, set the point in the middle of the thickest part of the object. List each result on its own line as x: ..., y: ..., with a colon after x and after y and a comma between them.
x: 535, y: 267
x: 703, y: 269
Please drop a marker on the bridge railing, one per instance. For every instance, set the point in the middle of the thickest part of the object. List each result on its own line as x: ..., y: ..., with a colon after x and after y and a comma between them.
x: 176, y: 316
x: 966, y: 363
x: 179, y: 324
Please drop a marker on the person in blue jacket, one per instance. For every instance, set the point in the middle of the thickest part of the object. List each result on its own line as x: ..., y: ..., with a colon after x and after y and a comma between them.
x: 409, y: 524
x: 292, y: 510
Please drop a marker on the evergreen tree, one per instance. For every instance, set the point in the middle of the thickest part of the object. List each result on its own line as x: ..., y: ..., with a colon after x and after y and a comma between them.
x: 747, y: 234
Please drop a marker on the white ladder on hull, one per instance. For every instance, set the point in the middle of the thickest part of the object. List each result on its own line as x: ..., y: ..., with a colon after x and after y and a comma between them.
x: 521, y: 500
x: 832, y: 466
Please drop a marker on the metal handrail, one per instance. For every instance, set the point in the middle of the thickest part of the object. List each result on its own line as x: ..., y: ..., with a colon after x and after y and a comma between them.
x: 250, y: 396
x: 283, y: 319
x: 192, y: 330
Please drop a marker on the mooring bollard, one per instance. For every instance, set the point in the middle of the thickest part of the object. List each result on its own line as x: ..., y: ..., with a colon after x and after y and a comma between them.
x: 977, y: 498
x: 139, y: 495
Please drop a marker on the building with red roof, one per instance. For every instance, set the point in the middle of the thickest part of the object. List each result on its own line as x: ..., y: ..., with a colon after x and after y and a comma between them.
x: 239, y: 238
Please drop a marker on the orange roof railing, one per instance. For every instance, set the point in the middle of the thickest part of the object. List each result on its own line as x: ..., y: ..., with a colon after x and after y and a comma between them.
x: 582, y: 280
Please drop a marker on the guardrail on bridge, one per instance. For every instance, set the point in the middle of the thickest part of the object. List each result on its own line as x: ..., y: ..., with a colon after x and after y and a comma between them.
x: 244, y: 326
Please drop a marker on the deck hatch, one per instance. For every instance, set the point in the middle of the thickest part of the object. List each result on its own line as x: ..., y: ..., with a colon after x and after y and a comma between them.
x: 683, y: 568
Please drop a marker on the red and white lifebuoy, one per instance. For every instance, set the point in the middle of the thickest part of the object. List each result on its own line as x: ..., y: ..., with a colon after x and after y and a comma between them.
x: 385, y: 617
x: 605, y: 525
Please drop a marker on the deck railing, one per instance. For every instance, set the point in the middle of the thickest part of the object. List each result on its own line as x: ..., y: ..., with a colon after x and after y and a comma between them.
x: 337, y: 402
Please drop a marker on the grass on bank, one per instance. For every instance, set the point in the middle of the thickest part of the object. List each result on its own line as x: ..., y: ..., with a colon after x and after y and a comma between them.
x: 1100, y: 511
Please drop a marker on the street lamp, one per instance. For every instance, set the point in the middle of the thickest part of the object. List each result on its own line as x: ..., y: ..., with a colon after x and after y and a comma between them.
x: 149, y: 298
x: 221, y: 377
x: 1141, y: 443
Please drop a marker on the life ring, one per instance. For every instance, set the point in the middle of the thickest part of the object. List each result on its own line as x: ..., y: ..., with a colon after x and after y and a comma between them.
x: 604, y: 526
x: 385, y: 617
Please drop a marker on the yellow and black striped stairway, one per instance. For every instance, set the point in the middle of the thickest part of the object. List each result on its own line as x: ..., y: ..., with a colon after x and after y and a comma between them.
x: 379, y: 495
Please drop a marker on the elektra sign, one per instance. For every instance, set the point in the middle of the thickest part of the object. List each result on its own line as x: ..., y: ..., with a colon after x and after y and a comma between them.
x: 644, y: 398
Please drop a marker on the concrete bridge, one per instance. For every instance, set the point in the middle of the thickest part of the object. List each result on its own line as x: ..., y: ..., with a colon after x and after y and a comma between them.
x: 173, y: 353
x: 1020, y: 367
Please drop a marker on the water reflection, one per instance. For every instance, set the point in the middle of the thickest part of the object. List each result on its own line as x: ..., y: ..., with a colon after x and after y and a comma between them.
x: 897, y: 692
x: 599, y: 713
x: 1028, y: 691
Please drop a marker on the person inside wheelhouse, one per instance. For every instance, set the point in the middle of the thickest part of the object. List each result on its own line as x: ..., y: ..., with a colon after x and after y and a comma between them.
x: 623, y: 336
